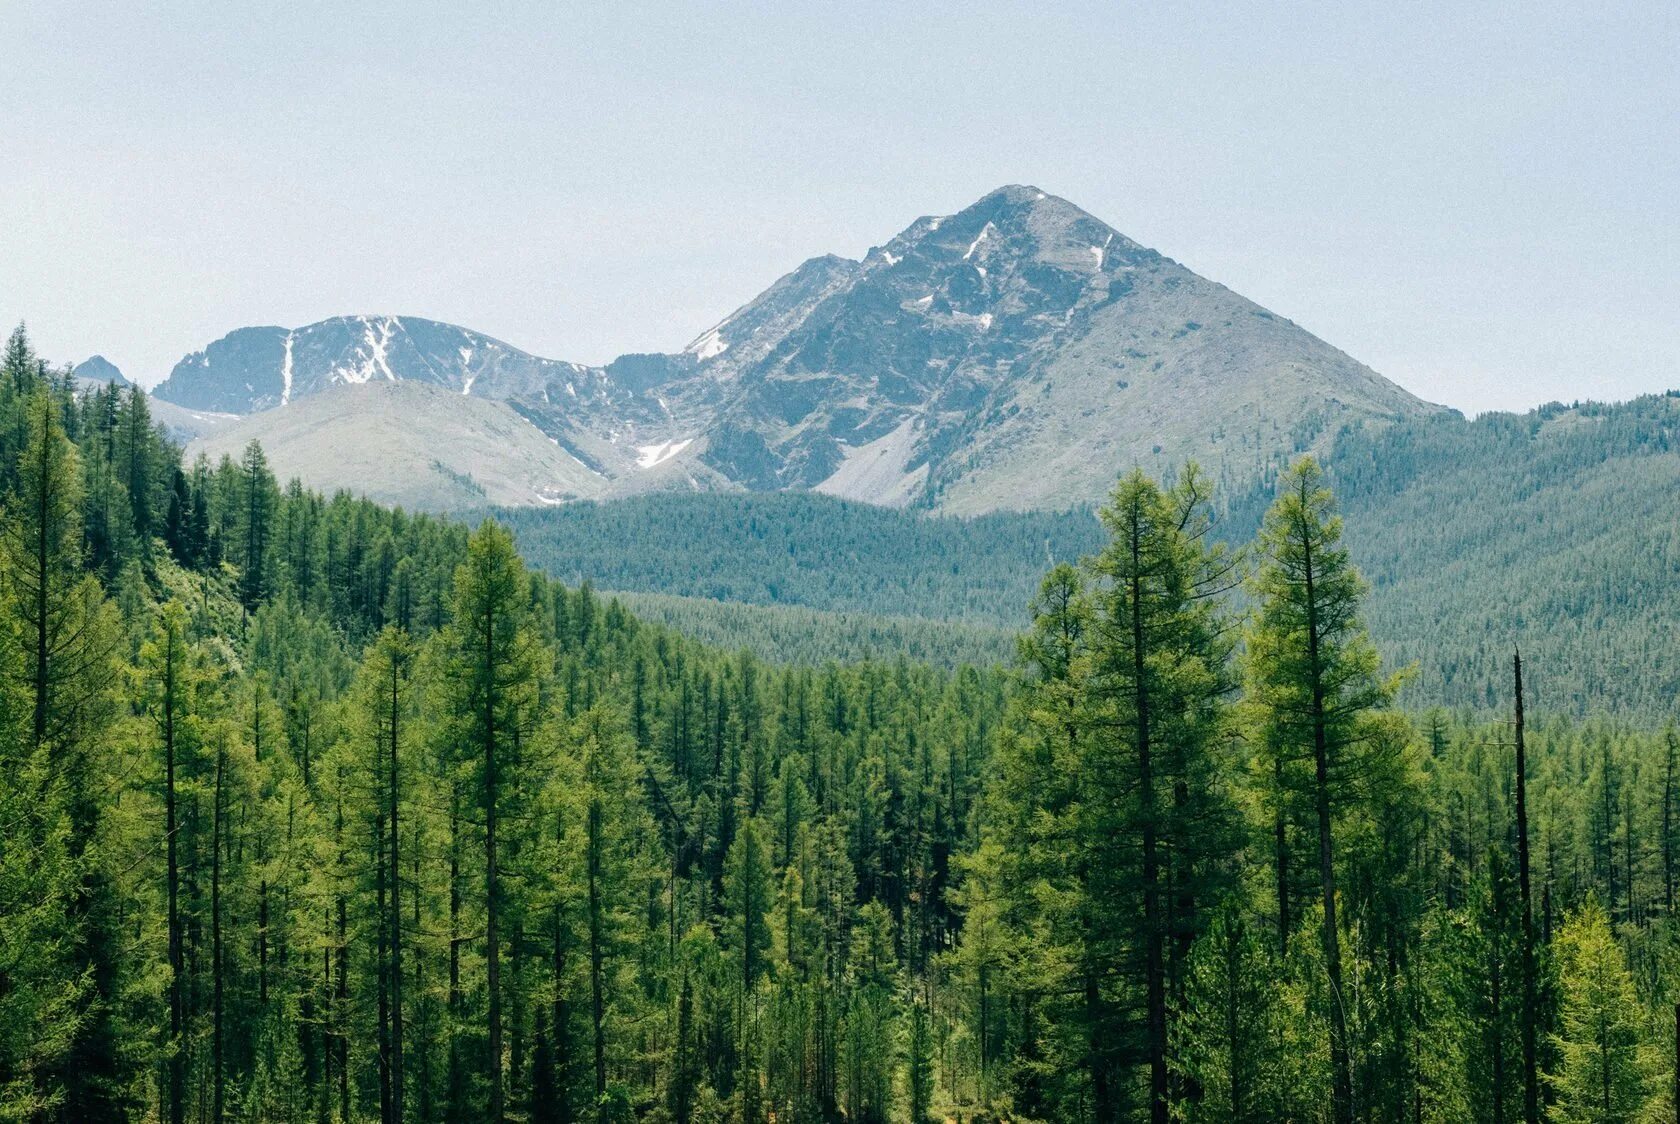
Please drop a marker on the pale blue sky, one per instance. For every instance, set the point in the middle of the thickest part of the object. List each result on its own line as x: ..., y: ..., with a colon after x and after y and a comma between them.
x: 1482, y: 201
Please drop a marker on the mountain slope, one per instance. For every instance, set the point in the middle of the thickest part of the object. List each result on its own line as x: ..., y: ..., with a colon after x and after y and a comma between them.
x: 1019, y: 354
x: 183, y: 424
x: 1554, y: 530
x: 410, y: 444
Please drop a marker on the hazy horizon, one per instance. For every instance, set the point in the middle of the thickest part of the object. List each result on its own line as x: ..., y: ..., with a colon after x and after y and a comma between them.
x: 1478, y: 205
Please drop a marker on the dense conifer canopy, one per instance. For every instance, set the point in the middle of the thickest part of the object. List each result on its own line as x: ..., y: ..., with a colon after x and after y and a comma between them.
x: 318, y: 810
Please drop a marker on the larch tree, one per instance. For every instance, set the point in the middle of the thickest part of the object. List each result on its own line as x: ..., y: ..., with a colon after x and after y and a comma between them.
x: 258, y: 497
x: 67, y: 638
x: 1313, y: 681
x: 384, y: 707
x: 169, y: 687
x: 492, y: 685
x: 1157, y: 677
x: 749, y: 891
x: 1601, y: 1077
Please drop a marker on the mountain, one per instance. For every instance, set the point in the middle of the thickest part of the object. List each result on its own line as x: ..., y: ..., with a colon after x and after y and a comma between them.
x: 181, y: 423
x: 1016, y: 355
x: 98, y: 371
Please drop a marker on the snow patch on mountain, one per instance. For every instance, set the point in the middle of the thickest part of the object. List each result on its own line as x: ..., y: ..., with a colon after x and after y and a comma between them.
x: 710, y: 345
x: 647, y: 456
x: 1101, y: 252
x: 286, y: 370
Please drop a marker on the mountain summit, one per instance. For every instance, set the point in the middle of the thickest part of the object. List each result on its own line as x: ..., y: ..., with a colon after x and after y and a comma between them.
x: 1017, y: 354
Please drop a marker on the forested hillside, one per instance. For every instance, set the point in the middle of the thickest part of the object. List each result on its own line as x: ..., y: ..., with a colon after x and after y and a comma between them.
x: 1560, y: 527
x: 315, y: 810
x: 1557, y: 529
x: 807, y: 549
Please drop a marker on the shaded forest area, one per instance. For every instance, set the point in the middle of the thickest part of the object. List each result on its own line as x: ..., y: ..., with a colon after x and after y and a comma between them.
x: 315, y: 810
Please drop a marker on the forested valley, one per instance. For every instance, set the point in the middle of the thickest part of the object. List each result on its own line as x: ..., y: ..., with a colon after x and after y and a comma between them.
x: 313, y: 810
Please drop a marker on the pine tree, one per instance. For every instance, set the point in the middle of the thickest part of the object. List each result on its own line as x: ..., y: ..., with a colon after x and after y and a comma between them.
x: 609, y: 826
x: 1530, y: 1011
x: 1227, y: 1038
x: 257, y: 499
x: 748, y: 895
x: 870, y: 1029
x: 384, y: 700
x: 139, y: 453
x: 920, y: 1076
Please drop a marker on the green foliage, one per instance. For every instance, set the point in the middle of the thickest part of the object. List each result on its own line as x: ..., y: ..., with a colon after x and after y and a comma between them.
x: 792, y: 634
x: 1600, y: 1075
x: 1551, y: 529
x: 317, y: 810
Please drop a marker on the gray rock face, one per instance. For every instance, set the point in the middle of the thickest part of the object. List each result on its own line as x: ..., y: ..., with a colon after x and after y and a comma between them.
x: 1017, y: 354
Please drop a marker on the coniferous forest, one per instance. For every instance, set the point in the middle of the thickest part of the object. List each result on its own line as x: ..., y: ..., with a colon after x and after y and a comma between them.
x: 313, y: 810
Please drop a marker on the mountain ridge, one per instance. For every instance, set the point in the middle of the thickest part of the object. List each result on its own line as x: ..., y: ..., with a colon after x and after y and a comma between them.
x: 1016, y: 354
